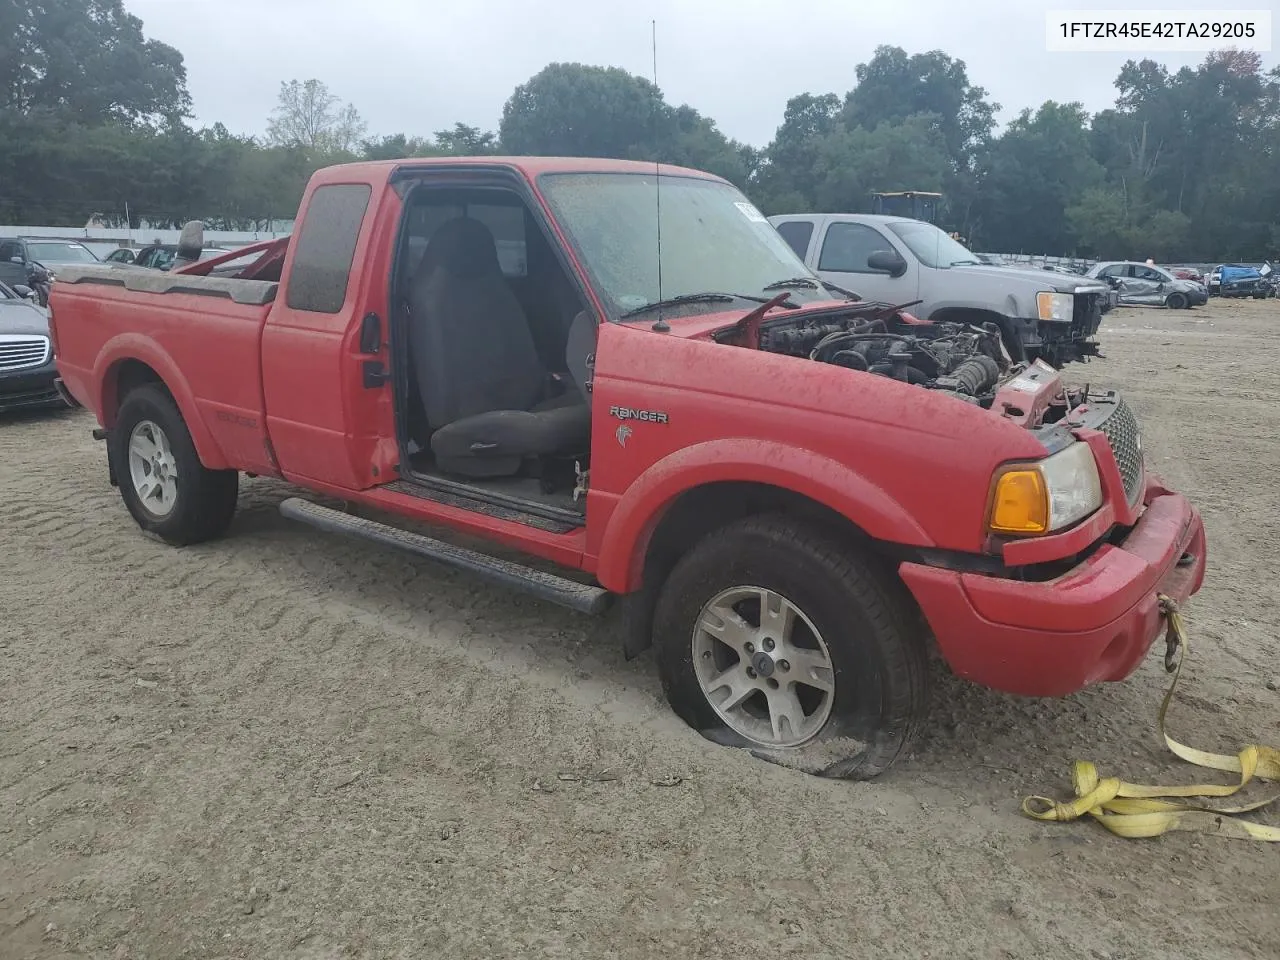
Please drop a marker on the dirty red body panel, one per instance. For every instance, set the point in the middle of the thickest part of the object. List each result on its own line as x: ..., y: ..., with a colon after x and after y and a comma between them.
x: 272, y: 390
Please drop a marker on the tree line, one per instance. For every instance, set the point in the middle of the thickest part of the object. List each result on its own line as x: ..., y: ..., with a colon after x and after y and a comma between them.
x: 95, y: 119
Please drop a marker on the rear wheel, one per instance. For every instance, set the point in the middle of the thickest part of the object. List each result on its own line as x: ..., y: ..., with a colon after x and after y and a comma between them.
x: 166, y: 488
x: 774, y: 636
x: 1177, y: 301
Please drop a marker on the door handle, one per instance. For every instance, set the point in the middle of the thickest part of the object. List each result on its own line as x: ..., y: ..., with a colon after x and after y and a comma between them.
x: 371, y: 334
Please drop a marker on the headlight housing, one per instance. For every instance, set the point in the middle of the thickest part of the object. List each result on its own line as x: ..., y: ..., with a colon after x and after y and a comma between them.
x: 1034, y: 498
x: 1054, y: 306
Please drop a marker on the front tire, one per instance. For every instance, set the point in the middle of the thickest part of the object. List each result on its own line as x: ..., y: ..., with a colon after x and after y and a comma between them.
x: 166, y: 488
x: 1177, y: 301
x: 775, y: 636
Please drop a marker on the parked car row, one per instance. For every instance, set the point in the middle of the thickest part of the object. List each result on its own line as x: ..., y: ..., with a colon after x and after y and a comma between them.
x: 156, y: 256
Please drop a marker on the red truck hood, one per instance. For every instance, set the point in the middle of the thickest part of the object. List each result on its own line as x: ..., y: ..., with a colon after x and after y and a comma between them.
x: 1024, y: 398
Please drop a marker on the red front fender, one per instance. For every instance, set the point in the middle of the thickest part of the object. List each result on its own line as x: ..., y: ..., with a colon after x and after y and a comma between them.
x: 637, y: 512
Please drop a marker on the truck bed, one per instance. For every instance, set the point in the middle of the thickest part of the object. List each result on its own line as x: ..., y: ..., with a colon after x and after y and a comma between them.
x: 201, y: 335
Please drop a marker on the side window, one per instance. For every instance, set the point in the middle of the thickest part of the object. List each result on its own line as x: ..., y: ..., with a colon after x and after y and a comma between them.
x: 326, y: 246
x: 507, y: 225
x: 797, y: 233
x: 505, y: 221
x: 1146, y: 273
x: 847, y: 246
x: 1111, y: 271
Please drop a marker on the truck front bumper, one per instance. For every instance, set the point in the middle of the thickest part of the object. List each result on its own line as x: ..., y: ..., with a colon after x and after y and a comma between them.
x: 1094, y: 623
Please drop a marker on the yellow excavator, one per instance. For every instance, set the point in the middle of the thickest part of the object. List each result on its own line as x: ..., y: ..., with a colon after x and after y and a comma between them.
x: 916, y: 204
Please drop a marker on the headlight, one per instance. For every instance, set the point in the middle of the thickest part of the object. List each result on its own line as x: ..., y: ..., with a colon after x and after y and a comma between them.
x: 1041, y: 497
x: 1054, y: 306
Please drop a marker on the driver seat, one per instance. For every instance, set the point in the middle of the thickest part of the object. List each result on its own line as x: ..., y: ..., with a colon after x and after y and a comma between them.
x: 488, y: 400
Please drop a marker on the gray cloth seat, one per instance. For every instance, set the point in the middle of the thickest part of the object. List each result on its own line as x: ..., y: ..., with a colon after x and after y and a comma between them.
x: 486, y: 396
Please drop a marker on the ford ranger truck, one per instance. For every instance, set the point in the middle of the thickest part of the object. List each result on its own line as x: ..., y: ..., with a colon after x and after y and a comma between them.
x: 790, y: 494
x: 1042, y: 315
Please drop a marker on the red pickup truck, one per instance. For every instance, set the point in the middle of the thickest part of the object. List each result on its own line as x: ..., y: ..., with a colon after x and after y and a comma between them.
x: 792, y: 491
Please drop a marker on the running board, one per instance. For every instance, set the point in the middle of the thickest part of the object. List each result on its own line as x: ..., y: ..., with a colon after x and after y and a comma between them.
x: 545, y: 586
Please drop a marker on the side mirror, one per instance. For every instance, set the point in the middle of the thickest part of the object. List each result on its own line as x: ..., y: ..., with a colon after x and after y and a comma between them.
x: 16, y: 260
x: 887, y: 261
x: 22, y: 290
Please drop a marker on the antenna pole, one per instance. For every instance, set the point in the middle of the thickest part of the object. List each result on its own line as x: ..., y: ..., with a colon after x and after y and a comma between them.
x: 660, y: 324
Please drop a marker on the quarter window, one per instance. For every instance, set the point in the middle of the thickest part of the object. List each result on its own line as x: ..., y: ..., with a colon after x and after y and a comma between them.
x: 797, y: 233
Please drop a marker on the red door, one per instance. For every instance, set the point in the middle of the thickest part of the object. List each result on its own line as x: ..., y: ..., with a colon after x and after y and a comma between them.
x: 330, y: 423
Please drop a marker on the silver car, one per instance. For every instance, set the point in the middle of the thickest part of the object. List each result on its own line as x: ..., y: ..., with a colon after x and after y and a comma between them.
x: 1141, y: 284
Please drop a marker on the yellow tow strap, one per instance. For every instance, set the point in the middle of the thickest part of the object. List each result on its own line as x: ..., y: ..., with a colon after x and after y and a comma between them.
x: 1134, y: 810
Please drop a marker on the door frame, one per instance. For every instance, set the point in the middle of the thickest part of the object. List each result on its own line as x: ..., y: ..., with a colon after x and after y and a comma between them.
x: 408, y: 181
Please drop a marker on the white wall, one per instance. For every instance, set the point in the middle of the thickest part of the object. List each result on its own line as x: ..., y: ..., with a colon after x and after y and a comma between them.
x: 102, y: 240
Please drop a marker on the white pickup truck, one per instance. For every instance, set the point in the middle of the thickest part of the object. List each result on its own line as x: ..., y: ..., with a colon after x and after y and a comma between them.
x: 1041, y: 314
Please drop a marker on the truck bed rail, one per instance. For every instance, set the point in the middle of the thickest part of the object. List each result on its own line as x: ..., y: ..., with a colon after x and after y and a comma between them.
x: 141, y: 280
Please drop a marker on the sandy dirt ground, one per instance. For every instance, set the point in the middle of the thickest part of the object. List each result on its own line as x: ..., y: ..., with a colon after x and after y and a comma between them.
x: 288, y: 745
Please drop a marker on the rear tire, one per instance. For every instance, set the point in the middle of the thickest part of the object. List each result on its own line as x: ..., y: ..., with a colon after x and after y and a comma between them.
x: 166, y: 488
x: 1177, y: 301
x: 737, y: 676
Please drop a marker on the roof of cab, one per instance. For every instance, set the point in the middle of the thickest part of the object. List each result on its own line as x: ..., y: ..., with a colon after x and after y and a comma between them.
x: 380, y: 170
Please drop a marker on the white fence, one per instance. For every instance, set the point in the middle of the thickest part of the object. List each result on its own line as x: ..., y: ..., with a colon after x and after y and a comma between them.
x: 102, y: 240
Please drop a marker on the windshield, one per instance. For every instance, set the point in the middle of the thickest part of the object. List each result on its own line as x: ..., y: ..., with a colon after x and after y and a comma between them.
x: 60, y: 253
x: 713, y: 240
x: 931, y: 246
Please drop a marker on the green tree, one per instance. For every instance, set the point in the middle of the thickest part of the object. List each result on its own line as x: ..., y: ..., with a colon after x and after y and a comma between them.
x: 788, y: 176
x: 571, y: 109
x: 577, y: 110
x: 87, y: 60
x: 1031, y: 174
x: 852, y: 164
x: 466, y: 141
x: 893, y: 86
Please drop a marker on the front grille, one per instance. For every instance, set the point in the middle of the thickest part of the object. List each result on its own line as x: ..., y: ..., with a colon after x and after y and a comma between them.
x: 20, y: 350
x: 1121, y: 428
x: 1086, y: 315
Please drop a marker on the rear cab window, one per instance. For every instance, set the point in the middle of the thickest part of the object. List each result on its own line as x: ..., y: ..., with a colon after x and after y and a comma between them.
x: 797, y: 233
x: 326, y: 247
x: 505, y: 221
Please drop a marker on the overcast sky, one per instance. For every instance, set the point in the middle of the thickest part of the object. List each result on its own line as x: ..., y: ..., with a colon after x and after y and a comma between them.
x: 416, y: 66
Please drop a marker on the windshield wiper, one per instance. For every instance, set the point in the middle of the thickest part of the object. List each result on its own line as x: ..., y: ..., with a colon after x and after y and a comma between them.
x: 693, y: 298
x: 806, y: 282
x: 841, y: 290
x: 966, y: 263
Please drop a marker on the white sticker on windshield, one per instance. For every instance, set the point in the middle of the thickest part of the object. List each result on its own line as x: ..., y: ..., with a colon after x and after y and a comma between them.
x: 749, y: 211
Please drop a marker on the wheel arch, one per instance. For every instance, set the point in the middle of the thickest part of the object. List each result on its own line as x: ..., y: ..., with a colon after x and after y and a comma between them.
x: 124, y: 367
x: 652, y: 528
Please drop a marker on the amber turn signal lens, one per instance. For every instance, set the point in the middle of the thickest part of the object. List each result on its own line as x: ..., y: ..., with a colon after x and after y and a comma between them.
x: 1021, y: 503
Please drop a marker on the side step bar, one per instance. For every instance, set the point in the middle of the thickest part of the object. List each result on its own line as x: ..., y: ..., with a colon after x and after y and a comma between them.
x: 545, y: 586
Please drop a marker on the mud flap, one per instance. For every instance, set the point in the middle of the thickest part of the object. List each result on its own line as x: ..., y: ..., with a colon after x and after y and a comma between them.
x: 112, y: 477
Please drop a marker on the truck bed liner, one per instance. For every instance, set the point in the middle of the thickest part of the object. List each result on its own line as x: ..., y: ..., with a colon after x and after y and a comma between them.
x: 138, y: 279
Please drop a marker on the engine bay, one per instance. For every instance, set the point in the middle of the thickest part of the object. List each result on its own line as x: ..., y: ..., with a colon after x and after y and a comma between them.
x: 964, y: 360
